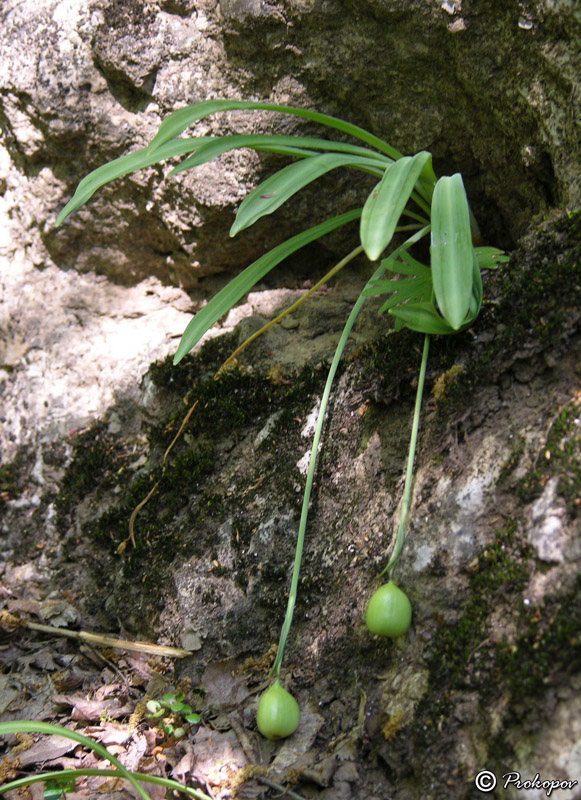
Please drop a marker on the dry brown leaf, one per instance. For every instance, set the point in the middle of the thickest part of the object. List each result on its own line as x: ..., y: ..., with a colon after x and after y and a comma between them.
x: 92, y: 710
x: 46, y: 748
x: 225, y: 688
x: 301, y: 741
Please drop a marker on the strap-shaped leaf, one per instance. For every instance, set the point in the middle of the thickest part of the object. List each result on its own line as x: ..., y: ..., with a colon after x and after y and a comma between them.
x: 238, y: 286
x: 123, y: 166
x: 287, y: 145
x: 277, y: 189
x: 476, y: 285
x: 451, y: 250
x: 387, y: 201
x: 177, y: 122
x: 422, y: 317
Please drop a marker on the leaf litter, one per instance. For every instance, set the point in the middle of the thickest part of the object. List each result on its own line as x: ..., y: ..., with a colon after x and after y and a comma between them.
x: 102, y: 694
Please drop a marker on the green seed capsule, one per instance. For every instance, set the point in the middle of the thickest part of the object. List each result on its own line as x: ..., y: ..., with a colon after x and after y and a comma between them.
x: 389, y: 612
x: 278, y: 713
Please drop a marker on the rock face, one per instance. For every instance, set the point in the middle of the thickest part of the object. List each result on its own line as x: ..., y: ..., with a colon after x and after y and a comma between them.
x: 491, y: 92
x: 488, y: 676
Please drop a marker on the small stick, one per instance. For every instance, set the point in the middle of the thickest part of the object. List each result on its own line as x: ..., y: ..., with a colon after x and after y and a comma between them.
x: 284, y: 792
x: 108, y: 641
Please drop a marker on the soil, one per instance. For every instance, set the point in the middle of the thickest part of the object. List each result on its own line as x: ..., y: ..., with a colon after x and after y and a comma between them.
x: 488, y: 675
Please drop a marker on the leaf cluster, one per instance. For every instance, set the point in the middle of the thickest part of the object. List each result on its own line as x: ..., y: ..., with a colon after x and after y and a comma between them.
x: 441, y: 298
x: 170, y: 713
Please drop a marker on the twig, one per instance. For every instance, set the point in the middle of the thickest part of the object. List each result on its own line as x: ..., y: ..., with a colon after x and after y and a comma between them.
x: 10, y: 621
x: 140, y: 505
x: 242, y: 737
x: 284, y: 792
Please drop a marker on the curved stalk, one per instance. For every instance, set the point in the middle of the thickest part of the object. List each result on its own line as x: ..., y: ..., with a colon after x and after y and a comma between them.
x: 27, y: 726
x: 407, y: 490
x: 61, y: 775
x: 275, y: 670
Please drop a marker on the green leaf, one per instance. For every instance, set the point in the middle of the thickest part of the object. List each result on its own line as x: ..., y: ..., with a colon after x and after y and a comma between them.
x: 387, y: 201
x: 476, y: 297
x: 422, y: 317
x: 389, y: 286
x: 490, y: 257
x: 56, y: 788
x: 123, y: 166
x: 277, y: 189
x: 238, y: 286
x: 286, y: 145
x: 178, y: 121
x: 413, y: 290
x: 412, y: 265
x: 451, y: 250
x: 193, y: 719
x: 33, y: 726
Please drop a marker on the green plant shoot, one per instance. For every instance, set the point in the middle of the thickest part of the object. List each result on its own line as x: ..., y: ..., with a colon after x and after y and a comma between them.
x: 408, y: 200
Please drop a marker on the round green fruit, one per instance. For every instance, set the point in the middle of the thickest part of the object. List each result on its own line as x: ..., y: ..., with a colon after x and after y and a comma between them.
x: 389, y: 612
x: 278, y: 713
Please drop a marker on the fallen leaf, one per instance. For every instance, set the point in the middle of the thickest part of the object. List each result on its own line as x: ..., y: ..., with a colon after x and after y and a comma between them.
x: 301, y: 741
x: 46, y: 748
x: 92, y: 710
x: 225, y: 688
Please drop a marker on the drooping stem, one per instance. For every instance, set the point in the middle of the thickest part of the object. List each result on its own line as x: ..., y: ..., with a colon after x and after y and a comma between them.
x: 407, y: 489
x: 311, y: 473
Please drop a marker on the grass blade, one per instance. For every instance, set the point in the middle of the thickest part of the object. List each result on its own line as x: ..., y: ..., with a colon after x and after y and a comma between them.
x: 287, y: 145
x: 27, y: 726
x: 64, y: 774
x: 177, y: 122
x: 387, y: 201
x: 123, y: 166
x: 451, y: 250
x: 238, y: 286
x: 277, y: 189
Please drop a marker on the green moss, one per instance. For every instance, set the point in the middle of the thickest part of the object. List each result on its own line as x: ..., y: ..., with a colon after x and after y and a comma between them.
x: 182, y: 515
x: 462, y: 657
x: 547, y: 651
x: 544, y: 650
x: 158, y: 536
x: 560, y: 458
x: 9, y: 482
x: 512, y: 461
x: 528, y: 306
x: 92, y: 465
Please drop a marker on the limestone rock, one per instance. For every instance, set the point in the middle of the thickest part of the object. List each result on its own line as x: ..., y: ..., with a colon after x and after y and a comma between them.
x: 491, y: 92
